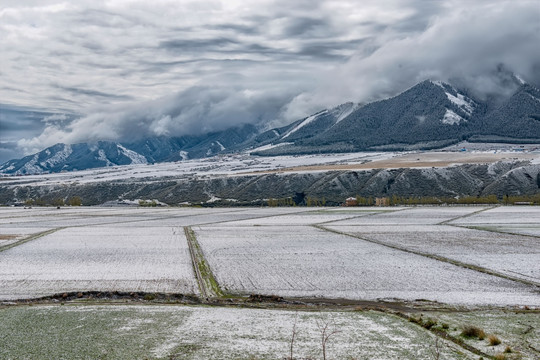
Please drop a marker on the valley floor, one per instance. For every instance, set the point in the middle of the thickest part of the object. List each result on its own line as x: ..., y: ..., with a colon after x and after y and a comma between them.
x: 120, y: 273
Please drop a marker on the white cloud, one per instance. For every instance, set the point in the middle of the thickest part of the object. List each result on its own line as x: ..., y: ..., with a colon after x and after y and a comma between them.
x: 468, y: 44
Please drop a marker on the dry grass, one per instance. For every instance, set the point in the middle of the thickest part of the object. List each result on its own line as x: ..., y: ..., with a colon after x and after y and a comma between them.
x: 473, y: 331
x: 493, y: 340
x: 430, y: 159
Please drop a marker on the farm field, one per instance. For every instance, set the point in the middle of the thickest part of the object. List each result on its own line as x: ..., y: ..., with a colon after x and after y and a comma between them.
x: 506, y: 220
x: 511, y: 255
x: 349, y: 253
x: 452, y: 264
x: 194, y: 332
x: 98, y: 258
x: 299, y: 261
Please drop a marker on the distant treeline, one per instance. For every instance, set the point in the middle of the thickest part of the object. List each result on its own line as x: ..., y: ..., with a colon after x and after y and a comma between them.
x: 464, y: 200
x: 395, y: 200
x: 310, y: 201
x: 72, y: 201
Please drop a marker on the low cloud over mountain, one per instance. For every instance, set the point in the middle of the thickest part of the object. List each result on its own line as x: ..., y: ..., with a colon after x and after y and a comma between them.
x: 125, y: 70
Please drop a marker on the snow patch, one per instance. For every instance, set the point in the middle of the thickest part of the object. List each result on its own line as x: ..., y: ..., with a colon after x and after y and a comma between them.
x: 57, y: 158
x: 220, y: 145
x: 452, y: 118
x: 183, y: 155
x: 213, y: 198
x: 438, y: 83
x: 534, y: 97
x: 466, y: 105
x: 304, y: 123
x: 520, y: 79
x: 103, y: 157
x: 31, y: 167
x: 342, y: 113
x: 135, y: 157
x: 269, y: 146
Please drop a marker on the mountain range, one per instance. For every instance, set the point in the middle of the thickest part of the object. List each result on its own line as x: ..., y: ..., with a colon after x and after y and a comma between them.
x: 429, y: 115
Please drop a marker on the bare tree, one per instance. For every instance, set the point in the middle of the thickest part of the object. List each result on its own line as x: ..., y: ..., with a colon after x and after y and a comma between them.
x: 293, y: 336
x: 326, y: 334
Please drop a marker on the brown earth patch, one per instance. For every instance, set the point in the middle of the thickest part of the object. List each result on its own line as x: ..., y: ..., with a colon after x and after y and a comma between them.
x: 412, y: 160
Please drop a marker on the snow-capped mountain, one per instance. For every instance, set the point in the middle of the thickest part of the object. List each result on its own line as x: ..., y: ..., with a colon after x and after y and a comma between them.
x: 431, y: 114
x: 62, y: 157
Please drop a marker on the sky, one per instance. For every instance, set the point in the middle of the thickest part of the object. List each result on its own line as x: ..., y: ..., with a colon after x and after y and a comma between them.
x: 88, y: 70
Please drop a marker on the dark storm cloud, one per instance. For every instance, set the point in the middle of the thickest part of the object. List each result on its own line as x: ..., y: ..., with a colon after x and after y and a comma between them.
x: 9, y: 150
x: 242, y: 29
x: 16, y: 119
x: 308, y: 27
x: 137, y: 69
x: 18, y: 122
x: 187, y: 45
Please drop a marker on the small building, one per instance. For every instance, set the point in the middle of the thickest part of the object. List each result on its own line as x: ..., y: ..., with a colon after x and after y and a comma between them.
x: 351, y: 202
x: 382, y: 201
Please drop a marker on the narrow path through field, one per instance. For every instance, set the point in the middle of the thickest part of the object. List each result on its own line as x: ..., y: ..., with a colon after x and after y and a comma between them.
x: 208, y: 285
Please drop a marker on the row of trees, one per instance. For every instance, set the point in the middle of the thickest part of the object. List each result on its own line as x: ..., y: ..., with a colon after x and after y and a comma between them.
x: 72, y: 201
x: 290, y: 201
x: 465, y: 200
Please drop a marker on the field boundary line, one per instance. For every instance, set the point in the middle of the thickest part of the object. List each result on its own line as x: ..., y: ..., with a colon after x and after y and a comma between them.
x: 29, y: 238
x: 435, y: 257
x: 446, y: 222
x: 208, y: 284
x: 441, y: 334
x: 483, y: 228
x: 373, y: 213
x: 257, y: 217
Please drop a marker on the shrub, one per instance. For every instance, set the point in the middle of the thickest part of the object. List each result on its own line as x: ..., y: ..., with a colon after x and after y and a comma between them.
x: 493, y: 340
x: 149, y: 297
x: 429, y: 323
x: 499, y: 356
x: 508, y: 350
x: 445, y: 326
x: 473, y: 331
x: 75, y: 201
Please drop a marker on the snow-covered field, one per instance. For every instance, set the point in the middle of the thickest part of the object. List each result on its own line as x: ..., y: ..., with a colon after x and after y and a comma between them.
x: 507, y: 215
x: 275, y: 251
x: 410, y: 216
x: 512, y: 255
x: 137, y: 258
x: 302, y: 261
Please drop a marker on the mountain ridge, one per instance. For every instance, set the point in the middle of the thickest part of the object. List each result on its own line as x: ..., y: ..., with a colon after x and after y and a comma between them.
x: 430, y: 114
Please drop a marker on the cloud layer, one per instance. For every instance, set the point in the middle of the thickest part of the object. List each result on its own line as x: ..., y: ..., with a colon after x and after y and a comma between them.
x: 127, y: 69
